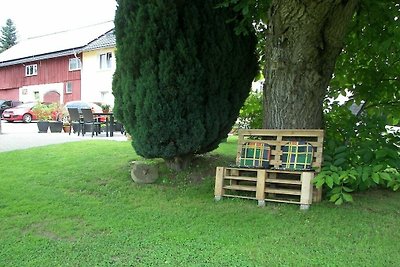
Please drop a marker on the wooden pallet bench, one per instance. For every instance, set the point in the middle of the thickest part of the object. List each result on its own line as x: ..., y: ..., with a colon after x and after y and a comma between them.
x: 273, y: 183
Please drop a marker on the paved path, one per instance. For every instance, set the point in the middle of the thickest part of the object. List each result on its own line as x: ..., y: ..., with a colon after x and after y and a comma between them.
x: 17, y: 136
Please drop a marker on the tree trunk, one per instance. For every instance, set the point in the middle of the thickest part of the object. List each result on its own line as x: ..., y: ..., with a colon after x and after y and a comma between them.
x: 304, y: 40
x: 179, y: 163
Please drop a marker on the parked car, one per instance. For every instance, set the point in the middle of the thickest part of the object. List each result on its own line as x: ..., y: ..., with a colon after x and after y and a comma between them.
x: 5, y: 104
x: 22, y: 112
x: 82, y: 105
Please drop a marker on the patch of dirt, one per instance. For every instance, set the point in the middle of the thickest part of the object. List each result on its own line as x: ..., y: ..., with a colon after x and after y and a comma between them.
x: 44, y: 229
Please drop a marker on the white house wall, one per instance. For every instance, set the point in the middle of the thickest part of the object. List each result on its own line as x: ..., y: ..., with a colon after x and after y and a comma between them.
x: 33, y: 93
x: 96, y: 83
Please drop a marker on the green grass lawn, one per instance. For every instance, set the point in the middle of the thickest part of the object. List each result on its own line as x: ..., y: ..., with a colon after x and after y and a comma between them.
x: 75, y: 204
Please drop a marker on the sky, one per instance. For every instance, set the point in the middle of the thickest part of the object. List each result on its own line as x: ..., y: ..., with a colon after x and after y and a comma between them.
x: 38, y: 17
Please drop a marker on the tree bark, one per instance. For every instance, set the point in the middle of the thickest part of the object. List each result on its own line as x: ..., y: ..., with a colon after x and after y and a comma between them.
x: 179, y: 163
x: 304, y: 40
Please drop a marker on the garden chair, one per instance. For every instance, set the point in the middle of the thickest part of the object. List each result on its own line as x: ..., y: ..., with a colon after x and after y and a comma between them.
x: 75, y: 119
x: 90, y: 120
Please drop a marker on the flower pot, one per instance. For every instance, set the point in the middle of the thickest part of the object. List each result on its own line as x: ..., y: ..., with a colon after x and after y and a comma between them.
x: 56, y: 126
x: 43, y: 126
x: 66, y: 128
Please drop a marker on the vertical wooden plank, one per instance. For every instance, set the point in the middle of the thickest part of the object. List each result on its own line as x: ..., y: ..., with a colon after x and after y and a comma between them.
x: 306, y: 189
x: 317, y: 194
x: 278, y: 157
x: 260, y: 189
x: 272, y: 175
x: 219, y: 183
x: 233, y: 172
x: 239, y: 146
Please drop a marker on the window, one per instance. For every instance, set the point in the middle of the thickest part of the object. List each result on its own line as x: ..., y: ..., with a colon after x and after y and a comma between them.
x: 105, y: 61
x: 75, y: 64
x: 36, y: 95
x: 5, y: 105
x: 31, y: 70
x: 68, y: 87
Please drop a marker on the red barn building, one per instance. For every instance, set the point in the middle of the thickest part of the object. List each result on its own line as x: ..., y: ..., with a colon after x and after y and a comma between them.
x: 47, y: 68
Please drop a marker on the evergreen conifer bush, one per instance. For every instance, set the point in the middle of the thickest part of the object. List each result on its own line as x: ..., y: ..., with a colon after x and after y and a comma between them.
x: 182, y: 76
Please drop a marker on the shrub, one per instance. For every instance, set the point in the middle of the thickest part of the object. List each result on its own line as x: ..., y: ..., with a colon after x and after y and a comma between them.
x: 182, y: 76
x: 359, y: 154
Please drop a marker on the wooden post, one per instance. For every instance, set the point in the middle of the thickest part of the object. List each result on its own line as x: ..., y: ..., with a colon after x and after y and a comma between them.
x: 317, y: 194
x: 260, y: 191
x: 306, y: 190
x: 233, y: 172
x: 219, y: 183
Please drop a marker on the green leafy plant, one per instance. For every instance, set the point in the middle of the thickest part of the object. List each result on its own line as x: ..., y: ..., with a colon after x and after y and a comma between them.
x: 42, y: 111
x: 58, y: 112
x: 251, y: 114
x: 105, y: 106
x: 359, y: 154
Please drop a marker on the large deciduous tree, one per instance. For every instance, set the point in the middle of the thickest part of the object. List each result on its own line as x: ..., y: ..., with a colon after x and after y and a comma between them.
x: 303, y: 42
x: 182, y: 75
x: 8, y: 35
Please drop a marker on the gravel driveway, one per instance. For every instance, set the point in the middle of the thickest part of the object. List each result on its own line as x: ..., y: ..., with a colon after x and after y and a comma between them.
x: 20, y: 135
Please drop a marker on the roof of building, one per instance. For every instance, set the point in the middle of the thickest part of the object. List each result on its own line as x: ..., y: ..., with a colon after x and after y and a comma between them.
x: 55, y: 44
x: 104, y: 41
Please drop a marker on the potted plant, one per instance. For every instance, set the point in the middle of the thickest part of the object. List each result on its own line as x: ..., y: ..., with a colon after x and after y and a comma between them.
x: 43, y: 114
x: 105, y: 108
x: 66, y: 126
x: 56, y: 124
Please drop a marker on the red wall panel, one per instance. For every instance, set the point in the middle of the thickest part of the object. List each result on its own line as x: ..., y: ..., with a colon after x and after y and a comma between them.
x: 76, y: 91
x: 10, y: 94
x: 53, y: 70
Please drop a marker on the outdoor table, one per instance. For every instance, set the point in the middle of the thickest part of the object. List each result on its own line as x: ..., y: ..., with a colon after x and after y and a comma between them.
x: 109, y: 122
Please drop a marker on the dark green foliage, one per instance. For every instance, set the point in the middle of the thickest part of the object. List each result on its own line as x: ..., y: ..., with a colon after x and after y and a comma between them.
x: 182, y: 75
x: 8, y: 35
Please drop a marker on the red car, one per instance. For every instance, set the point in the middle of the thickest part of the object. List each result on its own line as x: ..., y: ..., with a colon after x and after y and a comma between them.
x: 20, y: 113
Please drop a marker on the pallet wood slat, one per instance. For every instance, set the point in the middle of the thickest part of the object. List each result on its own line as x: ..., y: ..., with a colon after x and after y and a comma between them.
x: 284, y: 171
x: 282, y: 201
x: 235, y: 196
x: 272, y: 184
x: 283, y: 181
x: 283, y: 191
x: 240, y: 187
x: 241, y: 178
